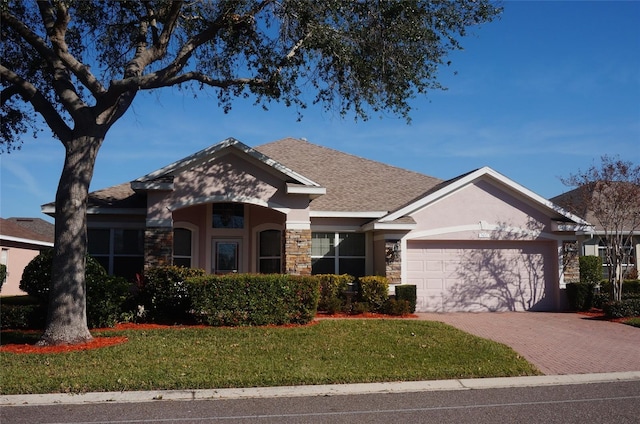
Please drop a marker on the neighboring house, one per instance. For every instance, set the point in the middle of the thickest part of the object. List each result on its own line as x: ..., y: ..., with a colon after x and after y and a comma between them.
x: 476, y: 242
x: 593, y: 241
x: 21, y: 240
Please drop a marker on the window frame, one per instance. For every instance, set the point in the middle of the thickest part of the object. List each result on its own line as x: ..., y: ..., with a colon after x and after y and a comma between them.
x: 337, y: 257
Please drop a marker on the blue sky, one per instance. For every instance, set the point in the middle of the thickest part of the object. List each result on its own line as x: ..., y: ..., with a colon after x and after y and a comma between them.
x: 542, y: 92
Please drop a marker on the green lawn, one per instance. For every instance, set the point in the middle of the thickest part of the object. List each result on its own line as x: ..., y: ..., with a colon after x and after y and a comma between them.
x: 331, y: 351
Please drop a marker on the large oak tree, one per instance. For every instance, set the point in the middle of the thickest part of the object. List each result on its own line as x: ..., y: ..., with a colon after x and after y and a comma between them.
x: 79, y: 65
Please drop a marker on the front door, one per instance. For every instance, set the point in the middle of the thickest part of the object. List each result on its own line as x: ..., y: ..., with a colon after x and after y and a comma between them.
x: 226, y: 256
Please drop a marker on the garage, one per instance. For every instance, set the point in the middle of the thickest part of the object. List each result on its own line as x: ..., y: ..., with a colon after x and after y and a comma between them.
x: 474, y: 276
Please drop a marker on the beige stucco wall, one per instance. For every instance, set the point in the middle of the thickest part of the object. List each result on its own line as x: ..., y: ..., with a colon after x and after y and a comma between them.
x: 480, y: 211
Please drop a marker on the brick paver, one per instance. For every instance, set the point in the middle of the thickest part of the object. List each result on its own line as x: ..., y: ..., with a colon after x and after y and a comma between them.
x: 556, y: 343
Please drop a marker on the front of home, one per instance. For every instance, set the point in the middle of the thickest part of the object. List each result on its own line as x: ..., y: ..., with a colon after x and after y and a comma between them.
x: 474, y: 243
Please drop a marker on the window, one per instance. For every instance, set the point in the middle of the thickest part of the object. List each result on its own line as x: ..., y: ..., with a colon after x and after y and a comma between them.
x: 628, y: 259
x: 228, y: 215
x: 338, y: 253
x: 120, y: 251
x: 182, y: 247
x: 270, y: 252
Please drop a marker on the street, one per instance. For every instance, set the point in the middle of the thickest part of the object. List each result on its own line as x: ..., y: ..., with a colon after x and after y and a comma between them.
x: 617, y: 402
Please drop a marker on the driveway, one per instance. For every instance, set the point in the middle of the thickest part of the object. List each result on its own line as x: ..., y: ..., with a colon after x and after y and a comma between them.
x: 556, y: 343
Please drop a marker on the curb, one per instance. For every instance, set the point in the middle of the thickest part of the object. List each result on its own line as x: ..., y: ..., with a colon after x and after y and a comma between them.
x: 319, y: 390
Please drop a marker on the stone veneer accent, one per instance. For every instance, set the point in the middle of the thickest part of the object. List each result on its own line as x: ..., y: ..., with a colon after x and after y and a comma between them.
x: 297, y: 252
x: 393, y: 263
x: 570, y: 262
x: 158, y: 246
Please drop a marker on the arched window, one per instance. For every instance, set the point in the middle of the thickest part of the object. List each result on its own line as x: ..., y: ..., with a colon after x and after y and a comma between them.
x: 270, y: 252
x: 182, y: 254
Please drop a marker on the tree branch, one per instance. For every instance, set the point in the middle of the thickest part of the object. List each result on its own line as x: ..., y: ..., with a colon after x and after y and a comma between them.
x: 40, y: 103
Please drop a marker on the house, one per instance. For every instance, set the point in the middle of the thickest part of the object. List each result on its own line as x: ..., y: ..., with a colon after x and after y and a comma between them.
x: 21, y: 240
x: 593, y: 241
x: 474, y: 243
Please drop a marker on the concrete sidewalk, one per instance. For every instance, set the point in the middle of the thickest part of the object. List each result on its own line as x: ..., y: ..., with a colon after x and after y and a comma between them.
x: 556, y: 343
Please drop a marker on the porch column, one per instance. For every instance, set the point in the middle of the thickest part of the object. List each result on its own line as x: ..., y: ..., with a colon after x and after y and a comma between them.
x: 158, y: 246
x: 393, y: 261
x: 297, y: 251
x: 570, y: 262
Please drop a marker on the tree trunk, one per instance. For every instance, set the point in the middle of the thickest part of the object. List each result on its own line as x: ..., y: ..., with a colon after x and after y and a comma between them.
x: 67, y: 315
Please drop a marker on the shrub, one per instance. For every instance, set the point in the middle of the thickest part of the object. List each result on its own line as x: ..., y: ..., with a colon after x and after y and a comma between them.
x: 248, y: 299
x: 580, y: 296
x: 374, y: 290
x: 106, y: 297
x: 22, y: 312
x: 622, y: 309
x: 398, y: 307
x: 3, y: 274
x: 332, y: 289
x: 164, y: 295
x: 629, y: 287
x: 407, y: 292
x: 590, y: 269
x: 36, y: 277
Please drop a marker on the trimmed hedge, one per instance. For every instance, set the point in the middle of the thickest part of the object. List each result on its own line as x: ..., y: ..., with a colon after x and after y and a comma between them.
x: 164, y: 294
x: 580, y: 296
x: 332, y: 291
x: 407, y: 292
x: 250, y: 299
x: 629, y: 287
x: 590, y: 269
x: 374, y: 290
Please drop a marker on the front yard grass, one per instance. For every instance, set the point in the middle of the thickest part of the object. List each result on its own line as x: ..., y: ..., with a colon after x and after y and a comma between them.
x: 327, y: 352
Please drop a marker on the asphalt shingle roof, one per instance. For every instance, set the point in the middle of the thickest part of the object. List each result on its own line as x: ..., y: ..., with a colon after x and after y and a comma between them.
x: 353, y: 183
x: 12, y: 228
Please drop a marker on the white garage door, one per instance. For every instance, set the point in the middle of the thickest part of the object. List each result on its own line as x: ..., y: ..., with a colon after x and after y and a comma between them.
x: 482, y: 276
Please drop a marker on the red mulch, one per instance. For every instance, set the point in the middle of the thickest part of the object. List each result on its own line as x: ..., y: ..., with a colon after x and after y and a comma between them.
x: 597, y: 314
x: 97, y: 342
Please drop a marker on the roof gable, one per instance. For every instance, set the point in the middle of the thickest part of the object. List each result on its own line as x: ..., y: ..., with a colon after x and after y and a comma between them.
x: 213, y: 152
x: 449, y: 187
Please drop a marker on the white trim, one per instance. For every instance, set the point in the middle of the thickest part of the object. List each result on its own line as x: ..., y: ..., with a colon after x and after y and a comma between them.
x: 336, y: 228
x: 151, y: 185
x: 304, y: 189
x: 468, y: 179
x: 400, y: 226
x: 254, y: 263
x: 298, y: 225
x: 26, y: 241
x: 228, y: 198
x: 347, y: 214
x: 481, y: 228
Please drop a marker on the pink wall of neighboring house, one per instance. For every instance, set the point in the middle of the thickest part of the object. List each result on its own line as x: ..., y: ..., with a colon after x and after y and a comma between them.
x: 18, y: 246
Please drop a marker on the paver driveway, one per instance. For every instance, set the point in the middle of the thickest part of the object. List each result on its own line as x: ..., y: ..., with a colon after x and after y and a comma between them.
x: 556, y: 343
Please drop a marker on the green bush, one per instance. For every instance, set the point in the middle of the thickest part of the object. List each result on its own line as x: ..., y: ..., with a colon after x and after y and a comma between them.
x: 590, y: 269
x: 407, y: 292
x: 622, y: 309
x: 22, y: 316
x: 580, y: 296
x: 398, y: 307
x: 36, y: 276
x: 106, y: 299
x: 332, y: 291
x: 629, y: 287
x: 164, y: 295
x: 373, y: 290
x: 248, y: 299
x: 3, y: 274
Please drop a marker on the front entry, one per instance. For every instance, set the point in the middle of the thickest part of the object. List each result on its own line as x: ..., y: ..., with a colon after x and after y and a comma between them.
x: 225, y: 256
